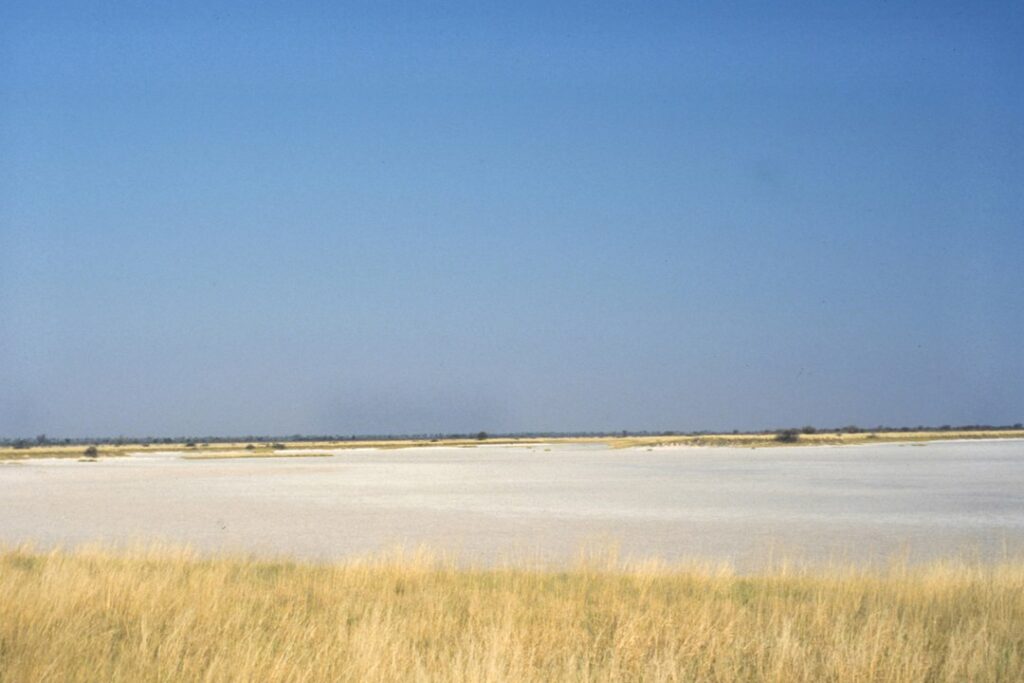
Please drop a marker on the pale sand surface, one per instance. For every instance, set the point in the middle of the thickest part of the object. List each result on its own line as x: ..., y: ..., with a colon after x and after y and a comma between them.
x: 486, y: 504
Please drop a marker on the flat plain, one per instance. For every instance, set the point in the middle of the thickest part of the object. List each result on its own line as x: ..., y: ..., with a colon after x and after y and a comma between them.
x: 541, y: 502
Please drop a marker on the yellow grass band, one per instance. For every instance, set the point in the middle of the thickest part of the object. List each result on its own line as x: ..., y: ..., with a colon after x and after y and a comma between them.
x: 161, y: 615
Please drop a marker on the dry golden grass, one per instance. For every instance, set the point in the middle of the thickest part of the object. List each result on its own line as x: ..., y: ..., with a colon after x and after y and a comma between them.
x: 52, y: 451
x: 817, y: 439
x: 260, y: 449
x: 231, y: 449
x: 170, y: 616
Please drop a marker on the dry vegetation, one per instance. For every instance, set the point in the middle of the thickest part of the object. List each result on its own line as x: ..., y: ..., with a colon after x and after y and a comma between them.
x: 239, y: 449
x: 818, y: 438
x: 164, y: 615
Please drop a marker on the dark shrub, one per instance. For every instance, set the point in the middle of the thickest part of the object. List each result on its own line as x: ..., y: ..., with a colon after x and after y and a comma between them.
x: 91, y: 452
x: 482, y: 436
x: 278, y: 446
x: 787, y: 436
x: 249, y: 447
x: 808, y: 430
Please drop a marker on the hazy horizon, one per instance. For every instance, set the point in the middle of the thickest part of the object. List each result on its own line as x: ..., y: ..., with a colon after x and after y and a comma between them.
x: 223, y: 219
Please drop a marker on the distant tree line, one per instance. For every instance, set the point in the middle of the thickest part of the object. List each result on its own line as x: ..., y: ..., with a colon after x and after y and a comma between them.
x: 277, y: 441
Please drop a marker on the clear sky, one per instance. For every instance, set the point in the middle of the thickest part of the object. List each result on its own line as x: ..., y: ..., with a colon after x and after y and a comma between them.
x: 276, y: 218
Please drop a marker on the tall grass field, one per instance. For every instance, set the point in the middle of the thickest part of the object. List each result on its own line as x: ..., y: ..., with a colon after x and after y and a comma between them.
x: 165, y: 615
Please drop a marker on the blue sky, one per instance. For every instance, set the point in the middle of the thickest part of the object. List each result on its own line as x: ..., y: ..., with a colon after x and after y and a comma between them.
x: 382, y: 217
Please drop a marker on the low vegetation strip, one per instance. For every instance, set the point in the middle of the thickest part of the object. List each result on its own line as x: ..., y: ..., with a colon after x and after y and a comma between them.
x: 165, y: 615
x: 796, y: 437
x: 787, y: 437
